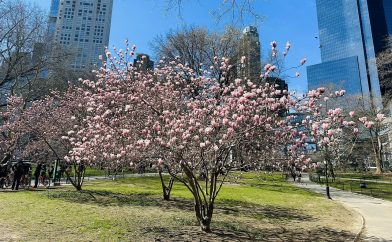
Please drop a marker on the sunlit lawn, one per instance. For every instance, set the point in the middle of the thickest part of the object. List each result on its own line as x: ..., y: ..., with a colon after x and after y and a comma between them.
x: 255, y: 207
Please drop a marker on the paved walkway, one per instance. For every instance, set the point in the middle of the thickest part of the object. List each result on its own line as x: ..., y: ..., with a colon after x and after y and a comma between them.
x: 377, y: 213
x: 93, y: 178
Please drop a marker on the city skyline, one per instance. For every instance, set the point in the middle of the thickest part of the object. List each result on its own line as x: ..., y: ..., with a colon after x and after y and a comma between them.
x: 301, y: 30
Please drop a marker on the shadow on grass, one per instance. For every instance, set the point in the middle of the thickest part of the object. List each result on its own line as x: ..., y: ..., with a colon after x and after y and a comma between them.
x: 227, y: 207
x: 108, y: 198
x: 231, y: 232
x: 228, y: 229
x: 236, y: 208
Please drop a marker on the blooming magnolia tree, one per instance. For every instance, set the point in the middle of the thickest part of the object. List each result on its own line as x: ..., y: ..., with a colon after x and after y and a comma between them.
x: 196, y: 127
x: 40, y: 132
x: 374, y: 127
x: 327, y: 126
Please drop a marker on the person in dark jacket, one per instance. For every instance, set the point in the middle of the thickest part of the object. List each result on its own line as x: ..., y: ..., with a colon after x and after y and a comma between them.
x: 37, y: 172
x: 43, y: 174
x: 18, y: 172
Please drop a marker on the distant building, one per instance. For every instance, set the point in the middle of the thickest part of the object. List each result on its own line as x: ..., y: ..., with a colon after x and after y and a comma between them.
x: 282, y: 86
x: 278, y: 83
x: 82, y: 26
x: 143, y: 62
x: 250, y: 49
x: 352, y: 33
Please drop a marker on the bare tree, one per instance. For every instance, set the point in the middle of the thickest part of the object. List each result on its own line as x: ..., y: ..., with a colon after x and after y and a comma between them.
x: 30, y: 65
x: 384, y: 66
x: 22, y: 29
x: 195, y: 45
x: 236, y: 10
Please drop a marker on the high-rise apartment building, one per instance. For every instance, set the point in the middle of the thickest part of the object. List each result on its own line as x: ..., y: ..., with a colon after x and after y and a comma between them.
x: 351, y: 33
x: 250, y: 49
x: 83, y: 27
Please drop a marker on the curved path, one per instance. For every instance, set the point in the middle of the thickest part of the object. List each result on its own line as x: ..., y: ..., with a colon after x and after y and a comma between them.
x: 377, y: 213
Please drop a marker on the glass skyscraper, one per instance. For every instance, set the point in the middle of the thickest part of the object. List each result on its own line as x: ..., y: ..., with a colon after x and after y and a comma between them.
x: 83, y: 27
x: 352, y: 33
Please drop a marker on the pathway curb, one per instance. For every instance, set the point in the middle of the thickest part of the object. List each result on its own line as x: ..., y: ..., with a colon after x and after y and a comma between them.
x: 362, y: 230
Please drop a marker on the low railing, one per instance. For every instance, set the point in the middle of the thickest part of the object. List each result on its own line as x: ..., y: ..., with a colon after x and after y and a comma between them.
x: 372, y: 188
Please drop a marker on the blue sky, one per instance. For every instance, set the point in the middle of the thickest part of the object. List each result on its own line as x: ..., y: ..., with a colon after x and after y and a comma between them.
x: 141, y: 20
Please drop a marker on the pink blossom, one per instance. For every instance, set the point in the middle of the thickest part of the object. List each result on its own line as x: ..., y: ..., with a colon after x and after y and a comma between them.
x: 380, y: 117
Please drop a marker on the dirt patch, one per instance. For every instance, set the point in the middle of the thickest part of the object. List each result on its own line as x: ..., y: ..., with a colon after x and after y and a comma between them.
x: 8, y: 234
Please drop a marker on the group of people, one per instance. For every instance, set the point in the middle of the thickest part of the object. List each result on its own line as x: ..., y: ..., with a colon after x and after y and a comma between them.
x: 41, y: 174
x: 19, y: 173
x: 15, y: 174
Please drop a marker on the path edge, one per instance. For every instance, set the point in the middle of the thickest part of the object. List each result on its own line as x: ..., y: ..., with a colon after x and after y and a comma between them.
x: 362, y: 230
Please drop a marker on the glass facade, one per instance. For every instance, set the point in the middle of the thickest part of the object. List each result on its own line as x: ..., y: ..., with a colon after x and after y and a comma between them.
x: 351, y: 34
x: 339, y: 29
x: 388, y: 14
x: 54, y: 9
x: 339, y: 74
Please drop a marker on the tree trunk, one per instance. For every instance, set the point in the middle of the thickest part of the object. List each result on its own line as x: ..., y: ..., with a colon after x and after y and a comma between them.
x: 166, y: 190
x: 379, y: 156
x: 204, y: 214
x: 327, y: 161
x: 378, y: 165
x: 77, y: 182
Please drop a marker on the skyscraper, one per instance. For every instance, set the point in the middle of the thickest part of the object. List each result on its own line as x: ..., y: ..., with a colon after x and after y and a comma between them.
x: 82, y: 26
x: 250, y: 49
x: 352, y: 33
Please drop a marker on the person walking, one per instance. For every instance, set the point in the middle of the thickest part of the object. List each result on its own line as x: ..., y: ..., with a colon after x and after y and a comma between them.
x: 37, y: 172
x: 18, y: 172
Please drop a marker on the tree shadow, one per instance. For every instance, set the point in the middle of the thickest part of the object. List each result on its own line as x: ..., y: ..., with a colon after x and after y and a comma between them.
x: 108, y: 198
x: 231, y: 232
x: 227, y: 207
x: 226, y: 230
x: 235, y: 207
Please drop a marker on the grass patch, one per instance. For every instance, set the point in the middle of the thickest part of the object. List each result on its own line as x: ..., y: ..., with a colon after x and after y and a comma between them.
x: 252, y: 206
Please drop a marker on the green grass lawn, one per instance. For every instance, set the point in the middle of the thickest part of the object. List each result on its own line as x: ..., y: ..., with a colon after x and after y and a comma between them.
x: 251, y: 207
